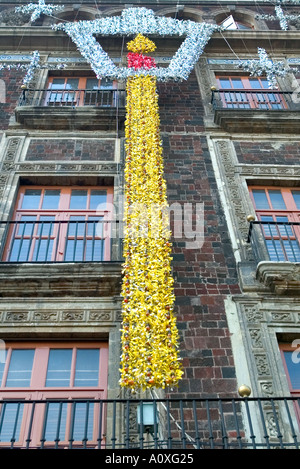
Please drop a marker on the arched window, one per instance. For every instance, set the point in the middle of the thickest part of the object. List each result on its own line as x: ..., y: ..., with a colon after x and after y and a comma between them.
x: 231, y: 23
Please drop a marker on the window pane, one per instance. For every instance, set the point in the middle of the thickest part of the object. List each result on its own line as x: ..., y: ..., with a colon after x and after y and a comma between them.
x: 51, y: 199
x: 76, y: 229
x: 72, y: 84
x: 255, y: 83
x: 94, y: 250
x: 3, y: 355
x: 20, y: 250
x: 98, y: 200
x: 78, y: 199
x: 83, y: 421
x: 11, y: 418
x: 74, y: 250
x: 92, y: 83
x: 31, y: 199
x: 277, y: 200
x: 87, y: 367
x: 106, y: 84
x: 237, y: 83
x: 293, y: 369
x: 58, y: 84
x: 59, y: 368
x: 19, y: 372
x: 225, y: 83
x: 42, y: 250
x: 296, y: 195
x: 260, y: 199
x: 56, y: 421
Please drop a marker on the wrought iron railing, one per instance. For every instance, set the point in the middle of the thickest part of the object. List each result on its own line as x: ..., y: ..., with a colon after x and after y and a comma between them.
x: 242, y: 423
x: 275, y: 240
x: 74, y: 240
x: 72, y: 98
x: 261, y: 100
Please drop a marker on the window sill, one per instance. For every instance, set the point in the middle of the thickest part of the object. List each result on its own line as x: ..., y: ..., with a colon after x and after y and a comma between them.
x: 257, y: 121
x: 72, y: 118
x: 92, y: 279
x: 281, y: 278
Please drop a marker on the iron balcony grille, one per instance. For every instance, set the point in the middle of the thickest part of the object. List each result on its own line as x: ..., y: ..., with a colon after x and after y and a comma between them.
x: 77, y: 240
x: 260, y: 100
x: 275, y: 241
x: 247, y: 423
x: 72, y: 98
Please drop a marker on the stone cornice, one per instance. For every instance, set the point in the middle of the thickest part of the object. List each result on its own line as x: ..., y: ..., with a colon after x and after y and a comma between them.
x: 45, y: 39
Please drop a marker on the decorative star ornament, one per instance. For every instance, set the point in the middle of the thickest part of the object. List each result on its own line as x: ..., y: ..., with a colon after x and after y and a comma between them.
x: 265, y: 66
x: 37, y: 10
x: 139, y: 21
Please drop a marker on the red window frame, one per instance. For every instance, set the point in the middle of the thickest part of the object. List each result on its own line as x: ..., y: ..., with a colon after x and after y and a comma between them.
x: 61, y: 235
x: 286, y: 237
x: 294, y: 392
x: 247, y: 92
x: 82, y: 95
x: 40, y: 392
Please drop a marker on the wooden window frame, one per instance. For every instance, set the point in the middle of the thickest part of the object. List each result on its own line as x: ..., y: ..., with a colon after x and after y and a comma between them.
x: 61, y: 215
x: 286, y: 234
x: 73, y: 97
x: 39, y: 392
x: 248, y: 97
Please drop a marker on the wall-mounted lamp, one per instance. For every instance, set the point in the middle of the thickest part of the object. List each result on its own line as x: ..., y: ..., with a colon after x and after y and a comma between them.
x: 146, y: 417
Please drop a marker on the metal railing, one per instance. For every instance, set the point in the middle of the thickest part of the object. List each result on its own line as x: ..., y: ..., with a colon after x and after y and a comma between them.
x: 75, y: 240
x: 275, y: 240
x: 260, y: 100
x: 72, y: 98
x: 243, y: 423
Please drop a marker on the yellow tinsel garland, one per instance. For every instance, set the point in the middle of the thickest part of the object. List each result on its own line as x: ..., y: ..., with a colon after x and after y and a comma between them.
x: 149, y: 333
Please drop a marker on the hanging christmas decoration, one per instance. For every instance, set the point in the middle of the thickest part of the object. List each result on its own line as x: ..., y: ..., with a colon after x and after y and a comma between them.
x: 37, y: 9
x: 265, y: 66
x: 31, y: 67
x: 281, y: 17
x: 143, y: 21
x: 149, y: 333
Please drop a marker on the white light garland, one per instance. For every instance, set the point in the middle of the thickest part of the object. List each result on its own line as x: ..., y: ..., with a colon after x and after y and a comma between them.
x: 140, y: 21
x: 281, y: 17
x: 265, y: 66
x: 37, y: 10
x: 30, y: 68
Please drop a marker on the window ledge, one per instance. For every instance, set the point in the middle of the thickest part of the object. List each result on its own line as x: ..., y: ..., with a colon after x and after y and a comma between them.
x: 90, y: 279
x: 257, y: 121
x: 281, y: 278
x: 72, y: 118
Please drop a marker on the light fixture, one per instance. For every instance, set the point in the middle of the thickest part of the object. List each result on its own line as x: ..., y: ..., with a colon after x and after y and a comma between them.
x: 147, y: 416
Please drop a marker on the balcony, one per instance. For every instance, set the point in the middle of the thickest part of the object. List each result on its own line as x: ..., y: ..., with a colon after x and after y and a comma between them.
x: 276, y: 248
x: 78, y: 257
x: 258, y: 111
x: 190, y: 424
x: 71, y: 109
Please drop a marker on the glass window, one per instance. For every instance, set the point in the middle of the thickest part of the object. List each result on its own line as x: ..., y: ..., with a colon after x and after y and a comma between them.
x: 11, y: 419
x: 98, y: 200
x: 20, y: 368
x: 296, y: 196
x: 31, y: 199
x: 59, y: 368
x: 277, y: 200
x: 51, y: 199
x: 293, y: 369
x: 87, y: 367
x: 78, y: 199
x: 260, y: 199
